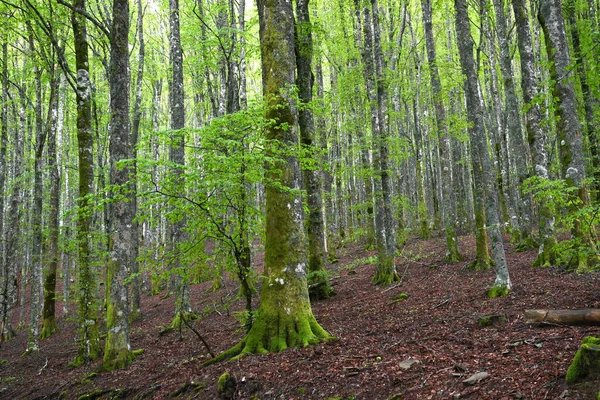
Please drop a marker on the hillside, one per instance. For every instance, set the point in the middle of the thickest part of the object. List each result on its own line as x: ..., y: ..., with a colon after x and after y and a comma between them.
x: 436, y: 326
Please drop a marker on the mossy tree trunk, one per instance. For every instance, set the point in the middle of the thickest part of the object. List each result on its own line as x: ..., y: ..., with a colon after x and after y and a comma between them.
x: 49, y: 325
x: 36, y: 217
x: 285, y: 318
x: 487, y: 188
x: 117, y: 353
x: 372, y: 59
x: 518, y: 147
x: 87, y: 288
x: 568, y: 128
x: 535, y: 131
x: 319, y: 287
x: 447, y: 178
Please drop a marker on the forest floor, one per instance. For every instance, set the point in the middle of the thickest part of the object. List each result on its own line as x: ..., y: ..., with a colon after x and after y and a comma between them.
x: 436, y: 326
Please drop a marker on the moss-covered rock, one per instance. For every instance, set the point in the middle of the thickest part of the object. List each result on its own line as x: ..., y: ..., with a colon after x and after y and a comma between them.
x: 586, y: 363
x: 489, y: 320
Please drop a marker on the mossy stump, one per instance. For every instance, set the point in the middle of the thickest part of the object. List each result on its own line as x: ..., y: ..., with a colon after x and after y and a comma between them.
x: 226, y: 386
x: 586, y: 363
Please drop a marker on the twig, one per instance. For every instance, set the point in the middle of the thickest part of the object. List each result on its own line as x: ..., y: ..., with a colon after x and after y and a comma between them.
x: 392, y: 287
x: 41, y: 369
x: 442, y: 303
x: 197, y: 333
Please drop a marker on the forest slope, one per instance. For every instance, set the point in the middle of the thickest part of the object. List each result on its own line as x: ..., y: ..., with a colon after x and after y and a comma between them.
x: 436, y: 326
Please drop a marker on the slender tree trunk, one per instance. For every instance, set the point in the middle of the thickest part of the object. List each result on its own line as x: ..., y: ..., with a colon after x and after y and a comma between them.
x: 117, y: 353
x: 177, y: 157
x: 135, y: 128
x: 486, y: 191
x: 535, y: 133
x: 49, y: 325
x: 447, y: 178
x: 517, y: 144
x: 7, y: 273
x: 568, y: 127
x: 372, y: 57
x: 318, y: 282
x: 36, y: 220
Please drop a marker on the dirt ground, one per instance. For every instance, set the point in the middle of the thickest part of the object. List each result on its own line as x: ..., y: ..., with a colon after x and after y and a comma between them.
x: 422, y: 347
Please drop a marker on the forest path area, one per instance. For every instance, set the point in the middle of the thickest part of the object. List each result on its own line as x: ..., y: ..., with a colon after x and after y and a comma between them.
x: 420, y: 347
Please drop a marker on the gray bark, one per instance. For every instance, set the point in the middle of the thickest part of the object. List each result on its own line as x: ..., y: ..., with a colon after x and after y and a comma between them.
x: 177, y: 156
x: 312, y: 180
x: 480, y: 157
x: 447, y: 177
x: 569, y: 132
x: 117, y: 353
x: 518, y: 147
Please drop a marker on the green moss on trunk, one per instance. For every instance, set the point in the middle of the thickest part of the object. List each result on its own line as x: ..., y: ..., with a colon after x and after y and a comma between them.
x: 452, y: 253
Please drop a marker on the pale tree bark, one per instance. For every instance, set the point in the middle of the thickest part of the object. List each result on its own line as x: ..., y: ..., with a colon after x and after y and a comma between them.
x: 49, y: 325
x: 447, y: 178
x: 372, y: 58
x: 567, y: 123
x: 487, y: 189
x: 535, y: 131
x: 177, y: 157
x: 117, y: 352
x: 135, y: 129
x: 367, y: 168
x: 36, y: 219
x: 285, y: 318
x: 589, y: 102
x: 518, y: 147
x: 8, y: 276
x: 319, y: 287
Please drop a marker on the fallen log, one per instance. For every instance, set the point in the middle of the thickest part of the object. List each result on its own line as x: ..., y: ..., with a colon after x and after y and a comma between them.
x: 587, y: 316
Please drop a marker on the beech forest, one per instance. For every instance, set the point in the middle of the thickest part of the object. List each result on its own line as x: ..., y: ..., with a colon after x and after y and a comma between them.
x: 326, y: 199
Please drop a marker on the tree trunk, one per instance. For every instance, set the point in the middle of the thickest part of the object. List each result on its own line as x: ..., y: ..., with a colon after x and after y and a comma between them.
x: 135, y: 128
x: 117, y: 353
x: 319, y: 287
x: 590, y: 316
x: 518, y: 147
x: 177, y: 157
x: 36, y: 220
x: 535, y: 133
x: 285, y: 317
x: 568, y: 127
x: 447, y: 178
x: 49, y: 325
x: 372, y: 58
x: 87, y: 287
x: 588, y: 100
x: 481, y: 162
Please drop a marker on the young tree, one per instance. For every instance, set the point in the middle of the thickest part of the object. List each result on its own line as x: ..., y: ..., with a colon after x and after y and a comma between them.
x: 285, y: 318
x: 486, y: 190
